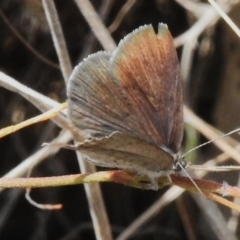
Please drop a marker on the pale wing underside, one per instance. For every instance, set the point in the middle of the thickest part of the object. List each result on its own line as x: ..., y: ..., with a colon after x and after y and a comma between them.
x: 127, y: 152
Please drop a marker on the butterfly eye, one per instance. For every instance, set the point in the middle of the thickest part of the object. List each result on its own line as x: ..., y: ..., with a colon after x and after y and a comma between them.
x: 179, y: 164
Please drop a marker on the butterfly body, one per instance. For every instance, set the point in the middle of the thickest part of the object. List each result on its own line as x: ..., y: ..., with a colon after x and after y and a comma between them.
x: 129, y: 104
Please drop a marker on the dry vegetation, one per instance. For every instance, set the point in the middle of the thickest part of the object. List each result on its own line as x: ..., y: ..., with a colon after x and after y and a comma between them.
x: 209, y: 53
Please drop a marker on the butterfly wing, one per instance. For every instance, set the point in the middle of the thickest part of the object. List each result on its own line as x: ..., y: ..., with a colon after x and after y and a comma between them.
x: 127, y: 152
x: 136, y: 90
x: 97, y: 104
x: 146, y: 65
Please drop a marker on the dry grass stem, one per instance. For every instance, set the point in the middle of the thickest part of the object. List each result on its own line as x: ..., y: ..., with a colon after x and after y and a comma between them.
x: 58, y: 38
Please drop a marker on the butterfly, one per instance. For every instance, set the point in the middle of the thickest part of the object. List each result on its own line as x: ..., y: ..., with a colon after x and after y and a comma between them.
x: 129, y: 105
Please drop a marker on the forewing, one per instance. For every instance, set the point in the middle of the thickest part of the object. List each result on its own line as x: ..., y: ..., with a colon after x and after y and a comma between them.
x: 136, y: 90
x: 146, y: 65
x: 97, y: 104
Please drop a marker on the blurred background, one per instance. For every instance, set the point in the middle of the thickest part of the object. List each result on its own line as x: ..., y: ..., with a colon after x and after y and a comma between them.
x: 210, y: 64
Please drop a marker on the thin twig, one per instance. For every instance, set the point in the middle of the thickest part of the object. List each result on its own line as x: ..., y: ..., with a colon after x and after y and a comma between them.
x: 98, y: 211
x: 96, y: 24
x: 39, y: 205
x: 196, y: 8
x: 96, y: 204
x: 40, y: 118
x: 38, y: 156
x: 39, y: 100
x: 189, y: 225
x: 215, y: 219
x: 26, y: 44
x: 91, y: 39
x: 208, y: 19
x: 120, y: 16
x: 58, y: 38
x: 208, y: 131
x: 234, y: 218
x: 42, y: 102
x: 168, y: 197
x: 225, y: 17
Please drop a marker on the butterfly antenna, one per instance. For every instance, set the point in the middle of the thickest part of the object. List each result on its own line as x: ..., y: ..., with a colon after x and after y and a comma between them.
x: 213, y: 140
x: 186, y: 173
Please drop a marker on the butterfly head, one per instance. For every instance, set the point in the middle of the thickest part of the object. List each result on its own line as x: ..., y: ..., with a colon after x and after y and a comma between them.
x: 179, y: 163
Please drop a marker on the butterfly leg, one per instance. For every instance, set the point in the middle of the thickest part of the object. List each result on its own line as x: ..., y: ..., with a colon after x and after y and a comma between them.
x: 159, y: 182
